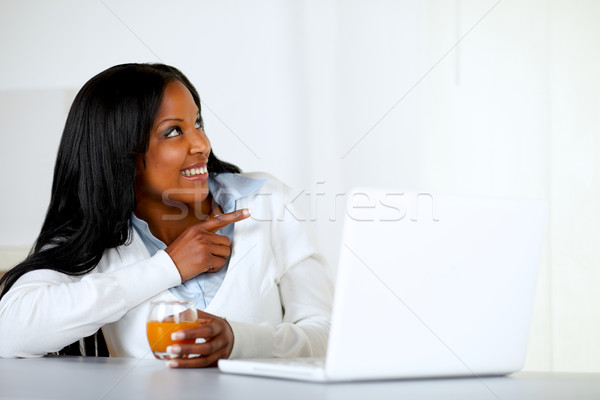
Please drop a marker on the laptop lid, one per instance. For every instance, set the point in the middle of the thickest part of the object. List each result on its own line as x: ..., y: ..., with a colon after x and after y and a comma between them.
x: 434, y: 285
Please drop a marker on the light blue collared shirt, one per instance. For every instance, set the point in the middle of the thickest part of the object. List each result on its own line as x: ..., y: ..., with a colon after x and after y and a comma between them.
x: 226, y: 189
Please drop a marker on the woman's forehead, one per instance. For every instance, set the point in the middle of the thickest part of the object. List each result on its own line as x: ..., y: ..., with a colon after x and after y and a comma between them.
x: 177, y: 102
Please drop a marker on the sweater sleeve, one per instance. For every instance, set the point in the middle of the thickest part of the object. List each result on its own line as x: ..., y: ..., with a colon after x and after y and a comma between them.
x: 305, y: 291
x: 46, y: 310
x: 306, y: 295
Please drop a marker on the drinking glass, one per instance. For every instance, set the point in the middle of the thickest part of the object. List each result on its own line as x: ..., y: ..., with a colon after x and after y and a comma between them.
x: 164, y: 318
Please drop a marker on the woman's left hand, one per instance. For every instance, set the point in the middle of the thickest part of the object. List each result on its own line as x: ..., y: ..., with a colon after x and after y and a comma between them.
x: 219, y: 343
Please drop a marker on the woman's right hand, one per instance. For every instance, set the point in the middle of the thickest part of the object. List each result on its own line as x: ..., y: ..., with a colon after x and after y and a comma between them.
x: 199, y: 249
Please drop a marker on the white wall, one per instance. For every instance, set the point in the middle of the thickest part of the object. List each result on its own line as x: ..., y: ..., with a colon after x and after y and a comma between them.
x: 515, y: 111
x: 575, y: 185
x: 333, y: 94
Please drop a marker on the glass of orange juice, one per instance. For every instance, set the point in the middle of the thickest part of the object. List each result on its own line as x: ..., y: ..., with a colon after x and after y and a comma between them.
x: 166, y: 317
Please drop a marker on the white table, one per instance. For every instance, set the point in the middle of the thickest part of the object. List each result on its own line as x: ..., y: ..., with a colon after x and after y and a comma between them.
x: 122, y: 378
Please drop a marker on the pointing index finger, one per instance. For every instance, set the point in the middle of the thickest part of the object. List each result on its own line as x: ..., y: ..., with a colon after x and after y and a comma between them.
x: 217, y: 222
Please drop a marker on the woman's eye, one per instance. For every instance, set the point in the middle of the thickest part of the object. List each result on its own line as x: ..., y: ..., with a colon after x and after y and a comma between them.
x: 199, y: 123
x: 173, y: 132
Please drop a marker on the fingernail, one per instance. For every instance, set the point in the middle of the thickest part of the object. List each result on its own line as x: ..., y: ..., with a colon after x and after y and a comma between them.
x: 246, y: 212
x: 174, y: 349
x: 172, y: 364
x: 177, y: 336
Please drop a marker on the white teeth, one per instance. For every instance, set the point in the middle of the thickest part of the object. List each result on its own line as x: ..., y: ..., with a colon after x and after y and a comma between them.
x: 194, y: 171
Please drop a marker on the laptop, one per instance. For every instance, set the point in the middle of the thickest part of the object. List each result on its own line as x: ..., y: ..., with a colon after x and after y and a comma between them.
x: 427, y: 286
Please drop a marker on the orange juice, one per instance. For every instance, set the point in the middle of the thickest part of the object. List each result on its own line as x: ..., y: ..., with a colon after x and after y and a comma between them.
x: 159, y: 336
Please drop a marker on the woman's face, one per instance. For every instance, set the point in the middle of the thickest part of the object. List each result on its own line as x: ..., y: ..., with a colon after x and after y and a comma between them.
x: 175, y: 164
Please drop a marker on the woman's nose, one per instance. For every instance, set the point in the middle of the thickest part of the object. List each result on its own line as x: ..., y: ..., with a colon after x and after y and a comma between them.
x: 199, y: 143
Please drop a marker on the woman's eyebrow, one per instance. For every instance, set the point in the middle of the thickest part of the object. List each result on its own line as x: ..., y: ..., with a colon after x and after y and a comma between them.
x: 169, y: 119
x: 175, y: 119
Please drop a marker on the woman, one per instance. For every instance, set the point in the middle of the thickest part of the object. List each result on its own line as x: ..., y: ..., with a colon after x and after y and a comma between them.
x: 142, y: 210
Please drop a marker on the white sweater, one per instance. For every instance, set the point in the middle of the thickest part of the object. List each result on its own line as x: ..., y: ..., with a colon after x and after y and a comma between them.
x: 276, y: 295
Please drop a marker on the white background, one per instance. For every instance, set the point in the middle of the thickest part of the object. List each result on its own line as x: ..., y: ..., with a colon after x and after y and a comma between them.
x: 462, y: 96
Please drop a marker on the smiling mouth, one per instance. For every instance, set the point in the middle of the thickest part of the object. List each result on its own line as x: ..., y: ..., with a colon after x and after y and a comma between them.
x: 194, y: 171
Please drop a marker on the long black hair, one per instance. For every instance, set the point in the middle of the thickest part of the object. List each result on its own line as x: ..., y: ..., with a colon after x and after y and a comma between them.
x: 93, y: 189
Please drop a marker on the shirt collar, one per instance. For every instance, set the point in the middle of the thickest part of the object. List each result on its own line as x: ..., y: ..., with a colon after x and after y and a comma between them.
x: 226, y: 188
